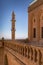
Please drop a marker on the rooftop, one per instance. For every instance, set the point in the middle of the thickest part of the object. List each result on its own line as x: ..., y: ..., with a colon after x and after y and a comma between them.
x: 34, y: 5
x: 32, y: 2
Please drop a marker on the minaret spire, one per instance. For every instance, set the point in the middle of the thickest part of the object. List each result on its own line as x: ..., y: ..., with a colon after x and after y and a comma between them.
x: 13, y: 26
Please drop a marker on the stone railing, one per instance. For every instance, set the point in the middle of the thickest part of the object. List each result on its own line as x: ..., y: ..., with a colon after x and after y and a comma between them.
x: 33, y: 55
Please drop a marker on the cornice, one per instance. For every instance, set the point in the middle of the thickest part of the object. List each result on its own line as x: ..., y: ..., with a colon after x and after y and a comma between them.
x: 35, y: 5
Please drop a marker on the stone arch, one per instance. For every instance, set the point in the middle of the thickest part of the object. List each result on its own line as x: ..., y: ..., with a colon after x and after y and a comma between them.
x: 6, y: 60
x: 35, y: 55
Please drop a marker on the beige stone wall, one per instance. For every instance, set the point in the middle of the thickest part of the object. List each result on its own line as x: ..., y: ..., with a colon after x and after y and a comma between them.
x: 41, y: 24
x: 11, y: 58
x: 35, y: 14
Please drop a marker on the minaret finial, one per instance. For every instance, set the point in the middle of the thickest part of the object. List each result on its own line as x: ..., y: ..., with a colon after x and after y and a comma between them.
x: 13, y: 15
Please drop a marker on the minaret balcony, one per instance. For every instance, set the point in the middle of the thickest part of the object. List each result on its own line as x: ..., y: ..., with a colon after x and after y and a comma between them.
x: 13, y: 29
x: 13, y: 20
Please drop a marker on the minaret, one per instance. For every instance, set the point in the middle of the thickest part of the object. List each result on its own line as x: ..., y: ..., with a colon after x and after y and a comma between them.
x: 13, y: 26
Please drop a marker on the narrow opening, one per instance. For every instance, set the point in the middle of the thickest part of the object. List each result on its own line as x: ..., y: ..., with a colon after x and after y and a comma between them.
x: 34, y: 32
x: 42, y: 32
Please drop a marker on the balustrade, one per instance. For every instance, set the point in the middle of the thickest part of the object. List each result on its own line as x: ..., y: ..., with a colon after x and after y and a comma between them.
x: 31, y: 52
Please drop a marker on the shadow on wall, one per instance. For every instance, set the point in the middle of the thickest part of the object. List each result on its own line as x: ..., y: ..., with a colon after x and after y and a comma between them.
x: 6, y: 60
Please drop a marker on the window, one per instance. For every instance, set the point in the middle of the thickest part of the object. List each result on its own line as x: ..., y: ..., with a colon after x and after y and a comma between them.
x: 34, y: 32
x: 42, y: 32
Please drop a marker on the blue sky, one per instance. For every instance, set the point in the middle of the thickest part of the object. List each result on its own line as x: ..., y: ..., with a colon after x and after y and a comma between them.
x: 20, y: 8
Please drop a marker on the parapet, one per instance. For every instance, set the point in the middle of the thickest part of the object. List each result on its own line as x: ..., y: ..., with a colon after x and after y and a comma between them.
x: 35, y: 5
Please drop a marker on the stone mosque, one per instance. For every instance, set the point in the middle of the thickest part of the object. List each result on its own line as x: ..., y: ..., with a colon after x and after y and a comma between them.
x: 30, y: 50
x: 35, y: 21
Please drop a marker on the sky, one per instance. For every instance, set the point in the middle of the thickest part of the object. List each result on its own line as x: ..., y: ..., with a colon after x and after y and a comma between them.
x: 20, y: 8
